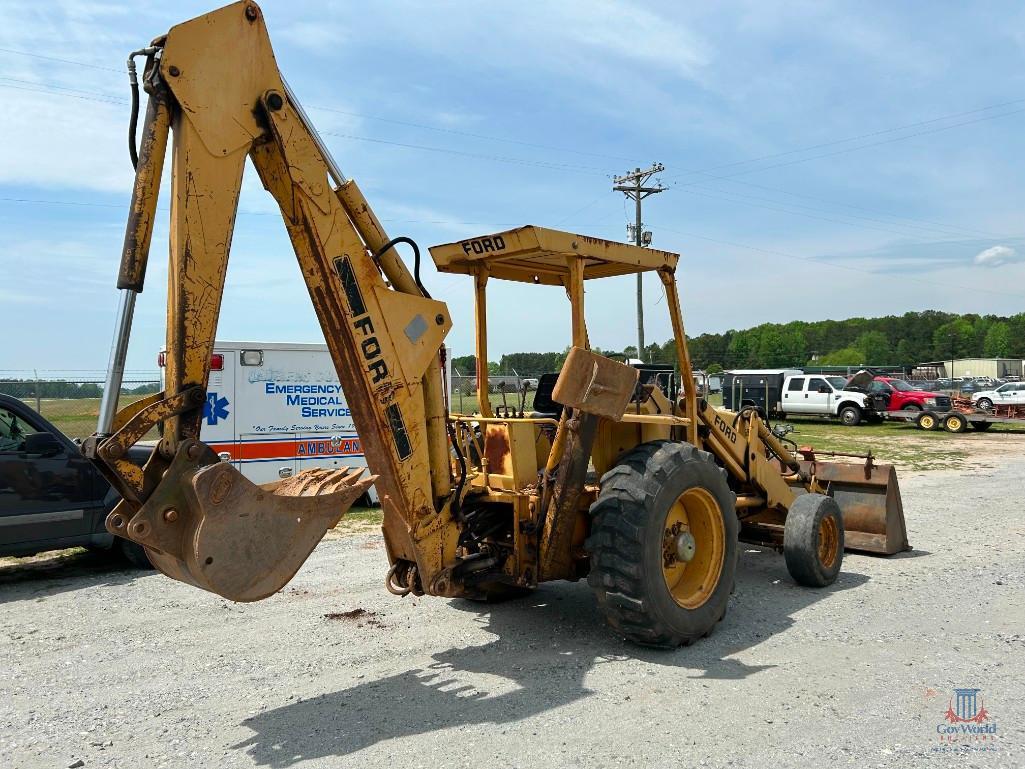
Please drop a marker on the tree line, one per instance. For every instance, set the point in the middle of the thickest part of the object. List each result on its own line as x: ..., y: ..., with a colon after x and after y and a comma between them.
x: 48, y: 388
x: 897, y: 340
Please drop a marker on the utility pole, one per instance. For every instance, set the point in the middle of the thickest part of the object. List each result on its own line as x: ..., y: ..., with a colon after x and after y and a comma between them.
x: 634, y: 186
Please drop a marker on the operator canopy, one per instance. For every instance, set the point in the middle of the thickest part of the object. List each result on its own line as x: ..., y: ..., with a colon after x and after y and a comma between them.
x: 538, y: 255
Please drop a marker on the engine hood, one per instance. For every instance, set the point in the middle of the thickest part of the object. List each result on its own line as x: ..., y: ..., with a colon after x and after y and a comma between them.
x: 860, y: 381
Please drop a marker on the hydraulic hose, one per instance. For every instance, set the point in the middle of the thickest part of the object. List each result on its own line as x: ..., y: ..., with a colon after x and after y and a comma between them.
x: 416, y: 259
x: 133, y: 81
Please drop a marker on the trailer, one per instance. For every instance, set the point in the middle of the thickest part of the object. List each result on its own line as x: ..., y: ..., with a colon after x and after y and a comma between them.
x: 952, y: 421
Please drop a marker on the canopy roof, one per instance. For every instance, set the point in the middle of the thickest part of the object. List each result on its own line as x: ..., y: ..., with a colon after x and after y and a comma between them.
x: 538, y: 255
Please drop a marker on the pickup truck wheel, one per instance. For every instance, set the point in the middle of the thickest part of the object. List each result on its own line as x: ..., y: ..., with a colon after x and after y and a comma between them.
x: 813, y: 540
x: 134, y: 553
x: 663, y: 544
x: 985, y: 404
x: 850, y: 416
x: 911, y: 407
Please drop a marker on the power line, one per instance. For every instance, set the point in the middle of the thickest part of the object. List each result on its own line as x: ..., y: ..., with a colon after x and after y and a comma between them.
x: 869, y: 135
x: 702, y: 193
x: 849, y: 268
x: 63, y: 61
x: 576, y: 168
x: 459, y: 132
x: 551, y: 165
x: 573, y: 168
x: 395, y: 121
x: 102, y: 99
x: 705, y: 170
x: 866, y: 146
x: 163, y: 209
x: 838, y: 204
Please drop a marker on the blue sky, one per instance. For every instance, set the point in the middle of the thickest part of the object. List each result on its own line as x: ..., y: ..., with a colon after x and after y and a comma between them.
x: 823, y: 160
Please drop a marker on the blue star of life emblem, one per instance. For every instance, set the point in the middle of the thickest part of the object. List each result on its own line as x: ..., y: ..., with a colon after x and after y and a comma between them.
x: 215, y: 408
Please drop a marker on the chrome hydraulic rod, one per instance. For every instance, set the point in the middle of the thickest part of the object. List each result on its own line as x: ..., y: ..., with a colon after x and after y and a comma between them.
x: 336, y: 173
x: 116, y: 364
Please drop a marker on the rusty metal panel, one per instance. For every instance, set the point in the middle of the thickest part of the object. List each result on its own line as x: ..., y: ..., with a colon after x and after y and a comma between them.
x: 595, y: 384
x: 537, y: 255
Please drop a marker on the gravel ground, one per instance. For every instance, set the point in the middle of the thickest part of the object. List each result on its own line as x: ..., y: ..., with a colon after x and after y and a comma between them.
x: 113, y: 669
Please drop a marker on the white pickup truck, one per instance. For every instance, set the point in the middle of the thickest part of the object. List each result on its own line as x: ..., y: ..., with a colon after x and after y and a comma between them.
x: 821, y: 395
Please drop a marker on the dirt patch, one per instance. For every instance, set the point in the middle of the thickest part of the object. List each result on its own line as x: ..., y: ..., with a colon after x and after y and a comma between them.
x: 351, y: 614
x: 360, y: 615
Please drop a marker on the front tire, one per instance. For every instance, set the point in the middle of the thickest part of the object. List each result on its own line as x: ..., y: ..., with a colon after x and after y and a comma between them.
x: 663, y: 544
x: 911, y: 407
x: 985, y: 404
x: 850, y: 416
x: 813, y: 540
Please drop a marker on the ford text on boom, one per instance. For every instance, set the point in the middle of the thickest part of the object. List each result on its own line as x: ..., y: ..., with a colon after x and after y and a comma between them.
x: 484, y: 245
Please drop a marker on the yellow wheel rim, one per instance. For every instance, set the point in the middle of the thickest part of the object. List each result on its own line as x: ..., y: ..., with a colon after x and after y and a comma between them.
x: 829, y: 538
x: 955, y: 423
x: 928, y: 422
x: 693, y: 548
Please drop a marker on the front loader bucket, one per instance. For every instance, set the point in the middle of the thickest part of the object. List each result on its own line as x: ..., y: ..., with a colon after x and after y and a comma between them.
x: 869, y: 498
x: 208, y: 525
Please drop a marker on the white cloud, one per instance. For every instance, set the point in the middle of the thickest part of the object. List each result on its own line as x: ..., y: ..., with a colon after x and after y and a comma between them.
x: 996, y: 256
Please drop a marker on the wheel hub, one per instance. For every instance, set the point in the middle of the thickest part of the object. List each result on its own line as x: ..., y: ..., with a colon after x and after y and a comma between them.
x: 693, y: 548
x: 685, y: 546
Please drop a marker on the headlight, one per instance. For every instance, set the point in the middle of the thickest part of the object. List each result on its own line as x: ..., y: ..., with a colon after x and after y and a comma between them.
x: 930, y: 401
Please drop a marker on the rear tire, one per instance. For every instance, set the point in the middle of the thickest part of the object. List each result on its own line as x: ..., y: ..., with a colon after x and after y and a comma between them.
x: 850, y: 416
x: 927, y: 421
x: 134, y: 553
x: 955, y: 423
x: 663, y: 544
x: 813, y: 540
x: 985, y: 404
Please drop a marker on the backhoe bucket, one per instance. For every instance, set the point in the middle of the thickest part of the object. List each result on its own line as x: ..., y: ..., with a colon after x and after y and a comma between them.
x: 208, y: 525
x: 869, y: 499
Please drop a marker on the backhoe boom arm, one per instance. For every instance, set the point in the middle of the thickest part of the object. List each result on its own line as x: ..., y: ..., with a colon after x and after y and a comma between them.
x: 213, y: 82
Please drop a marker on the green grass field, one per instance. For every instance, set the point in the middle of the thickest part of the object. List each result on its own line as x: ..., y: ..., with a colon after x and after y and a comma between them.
x: 76, y: 417
x: 897, y: 442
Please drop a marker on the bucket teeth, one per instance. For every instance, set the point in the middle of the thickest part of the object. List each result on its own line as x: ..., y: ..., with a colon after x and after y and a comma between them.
x: 319, y: 480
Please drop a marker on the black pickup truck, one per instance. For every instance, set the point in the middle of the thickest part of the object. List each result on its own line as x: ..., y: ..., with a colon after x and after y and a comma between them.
x: 51, y: 497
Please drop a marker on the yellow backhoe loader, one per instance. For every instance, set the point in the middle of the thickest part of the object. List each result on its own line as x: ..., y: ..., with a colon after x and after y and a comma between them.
x: 644, y: 491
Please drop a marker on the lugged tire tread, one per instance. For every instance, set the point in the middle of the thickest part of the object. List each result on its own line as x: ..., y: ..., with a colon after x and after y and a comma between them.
x: 620, y: 516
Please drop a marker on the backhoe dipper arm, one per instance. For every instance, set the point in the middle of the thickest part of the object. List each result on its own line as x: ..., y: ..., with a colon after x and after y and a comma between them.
x: 214, y: 83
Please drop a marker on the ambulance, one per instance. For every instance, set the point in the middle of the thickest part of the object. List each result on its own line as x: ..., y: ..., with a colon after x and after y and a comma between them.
x: 275, y: 409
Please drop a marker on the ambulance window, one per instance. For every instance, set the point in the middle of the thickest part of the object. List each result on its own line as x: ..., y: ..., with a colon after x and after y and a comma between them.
x: 251, y: 357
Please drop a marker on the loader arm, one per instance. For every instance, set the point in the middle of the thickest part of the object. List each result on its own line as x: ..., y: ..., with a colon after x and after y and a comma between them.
x: 214, y: 85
